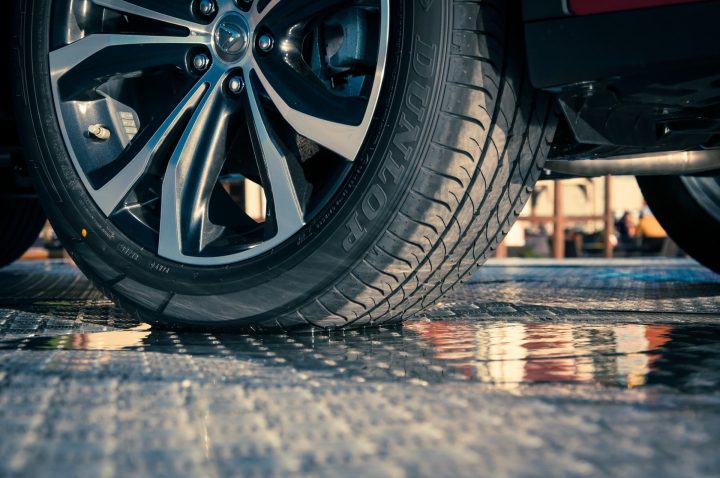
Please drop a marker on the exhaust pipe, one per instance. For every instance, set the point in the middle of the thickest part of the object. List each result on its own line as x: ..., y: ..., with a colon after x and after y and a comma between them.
x: 652, y: 164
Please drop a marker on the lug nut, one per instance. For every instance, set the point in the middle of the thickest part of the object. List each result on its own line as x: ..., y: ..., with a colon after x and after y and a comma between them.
x: 235, y: 85
x: 207, y: 7
x: 266, y: 42
x: 201, y: 62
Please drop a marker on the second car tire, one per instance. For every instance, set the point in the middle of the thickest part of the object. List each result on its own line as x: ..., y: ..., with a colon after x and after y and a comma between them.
x: 21, y: 220
x: 689, y: 210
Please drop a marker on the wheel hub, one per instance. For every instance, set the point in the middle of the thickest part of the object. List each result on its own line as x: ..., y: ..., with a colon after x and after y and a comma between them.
x: 231, y: 37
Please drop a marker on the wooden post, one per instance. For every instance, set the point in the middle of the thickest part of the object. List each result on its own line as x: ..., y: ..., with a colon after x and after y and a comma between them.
x: 559, y: 223
x: 609, y: 219
x: 502, y: 251
x: 254, y: 201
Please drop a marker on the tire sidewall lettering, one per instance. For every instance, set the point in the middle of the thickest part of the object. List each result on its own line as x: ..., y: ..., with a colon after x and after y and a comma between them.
x: 404, y: 142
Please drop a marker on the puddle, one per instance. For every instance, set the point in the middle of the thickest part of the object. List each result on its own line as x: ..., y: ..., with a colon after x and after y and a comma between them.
x: 630, y: 356
x: 507, y: 355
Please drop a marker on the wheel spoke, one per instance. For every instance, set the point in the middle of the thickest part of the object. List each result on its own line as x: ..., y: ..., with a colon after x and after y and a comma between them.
x: 343, y: 139
x: 110, y: 196
x: 159, y: 10
x: 337, y: 123
x: 192, y: 174
x: 77, y: 66
x: 288, y: 211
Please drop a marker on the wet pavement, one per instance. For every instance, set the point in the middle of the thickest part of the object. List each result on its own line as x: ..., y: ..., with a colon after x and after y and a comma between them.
x: 532, y: 369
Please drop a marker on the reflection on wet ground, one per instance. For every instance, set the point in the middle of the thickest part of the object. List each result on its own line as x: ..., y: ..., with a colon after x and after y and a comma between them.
x: 666, y: 330
x: 533, y: 369
x: 506, y: 355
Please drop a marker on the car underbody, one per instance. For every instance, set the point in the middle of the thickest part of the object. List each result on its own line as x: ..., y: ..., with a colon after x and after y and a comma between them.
x: 629, y: 82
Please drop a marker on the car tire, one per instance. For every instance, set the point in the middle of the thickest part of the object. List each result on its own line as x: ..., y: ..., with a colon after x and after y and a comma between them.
x: 21, y: 221
x: 688, y: 208
x: 458, y: 140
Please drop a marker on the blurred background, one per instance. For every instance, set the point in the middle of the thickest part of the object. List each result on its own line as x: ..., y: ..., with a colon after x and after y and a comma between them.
x: 598, y: 217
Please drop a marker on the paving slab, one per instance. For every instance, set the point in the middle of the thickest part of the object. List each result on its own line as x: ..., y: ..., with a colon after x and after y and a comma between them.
x: 577, y: 368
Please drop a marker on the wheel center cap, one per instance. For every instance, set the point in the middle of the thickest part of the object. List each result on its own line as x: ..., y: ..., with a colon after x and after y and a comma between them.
x: 231, y: 37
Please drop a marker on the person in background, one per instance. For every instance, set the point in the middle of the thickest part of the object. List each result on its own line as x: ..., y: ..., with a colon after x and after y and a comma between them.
x: 626, y: 232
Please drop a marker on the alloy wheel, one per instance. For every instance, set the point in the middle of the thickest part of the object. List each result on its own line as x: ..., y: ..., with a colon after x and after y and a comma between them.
x: 176, y: 113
